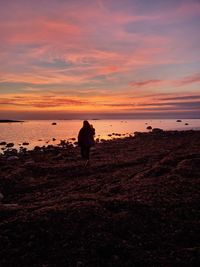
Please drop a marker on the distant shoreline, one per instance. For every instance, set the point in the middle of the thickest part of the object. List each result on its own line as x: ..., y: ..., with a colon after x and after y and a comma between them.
x: 8, y: 121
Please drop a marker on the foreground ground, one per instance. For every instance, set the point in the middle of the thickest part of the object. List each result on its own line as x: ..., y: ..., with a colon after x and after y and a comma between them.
x: 137, y: 204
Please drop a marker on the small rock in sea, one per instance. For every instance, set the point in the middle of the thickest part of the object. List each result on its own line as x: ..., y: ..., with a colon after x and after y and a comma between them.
x: 2, y: 143
x: 179, y: 121
x: 25, y: 144
x: 12, y: 158
x: 109, y: 134
x: 1, y: 196
x: 73, y: 139
x: 149, y: 128
x: 39, y: 140
x: 186, y: 123
x: 10, y: 145
x: 54, y: 123
x: 53, y: 139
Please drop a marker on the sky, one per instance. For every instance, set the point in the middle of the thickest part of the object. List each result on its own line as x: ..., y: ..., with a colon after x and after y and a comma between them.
x: 100, y: 58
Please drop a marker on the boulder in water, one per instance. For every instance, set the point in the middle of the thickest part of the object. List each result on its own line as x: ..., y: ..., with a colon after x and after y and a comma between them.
x: 2, y: 143
x: 149, y: 128
x: 10, y: 145
x: 25, y: 144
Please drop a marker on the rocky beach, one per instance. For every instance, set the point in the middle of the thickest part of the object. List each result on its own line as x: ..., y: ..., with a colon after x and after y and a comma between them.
x: 136, y: 205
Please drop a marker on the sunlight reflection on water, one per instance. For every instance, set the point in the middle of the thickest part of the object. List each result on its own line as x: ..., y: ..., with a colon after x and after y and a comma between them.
x: 41, y: 132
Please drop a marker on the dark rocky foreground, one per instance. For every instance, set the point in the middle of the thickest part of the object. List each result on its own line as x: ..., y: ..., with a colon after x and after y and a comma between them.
x: 137, y: 204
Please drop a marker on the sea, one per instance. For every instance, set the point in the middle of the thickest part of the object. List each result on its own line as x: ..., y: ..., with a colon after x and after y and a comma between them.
x: 48, y: 132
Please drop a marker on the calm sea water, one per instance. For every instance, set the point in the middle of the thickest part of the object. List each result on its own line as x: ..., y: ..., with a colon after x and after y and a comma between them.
x: 41, y: 132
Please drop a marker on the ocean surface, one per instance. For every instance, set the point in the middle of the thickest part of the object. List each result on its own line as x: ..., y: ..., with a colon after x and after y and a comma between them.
x: 42, y: 132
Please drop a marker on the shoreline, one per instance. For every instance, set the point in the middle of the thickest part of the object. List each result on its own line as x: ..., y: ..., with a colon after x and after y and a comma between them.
x: 9, y: 121
x: 137, y: 204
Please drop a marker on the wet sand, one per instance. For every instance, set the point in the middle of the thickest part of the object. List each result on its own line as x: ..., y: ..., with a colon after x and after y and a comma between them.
x: 136, y: 205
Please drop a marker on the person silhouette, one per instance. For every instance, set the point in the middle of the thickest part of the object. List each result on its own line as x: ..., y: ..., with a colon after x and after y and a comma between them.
x: 86, y: 140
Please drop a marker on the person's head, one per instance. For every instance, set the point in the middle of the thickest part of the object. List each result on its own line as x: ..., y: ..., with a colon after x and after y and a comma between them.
x: 86, y: 124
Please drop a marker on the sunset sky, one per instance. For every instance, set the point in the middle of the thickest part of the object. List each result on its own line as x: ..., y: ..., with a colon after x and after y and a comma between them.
x: 99, y: 58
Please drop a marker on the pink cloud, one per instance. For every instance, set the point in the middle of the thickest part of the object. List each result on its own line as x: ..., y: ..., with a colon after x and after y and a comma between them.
x: 146, y: 83
x: 195, y: 78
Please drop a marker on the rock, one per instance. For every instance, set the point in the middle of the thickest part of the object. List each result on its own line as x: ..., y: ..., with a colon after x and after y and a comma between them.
x: 53, y: 139
x: 37, y: 148
x: 186, y: 123
x: 9, y: 206
x: 11, y: 152
x: 179, y: 121
x: 29, y: 163
x: 157, y: 130
x: 58, y: 157
x: 136, y: 134
x: 12, y: 158
x: 189, y: 167
x: 22, y: 149
x: 1, y: 196
x: 54, y: 123
x: 79, y: 264
x: 149, y: 128
x: 2, y: 143
x: 73, y: 139
x: 25, y: 144
x: 10, y: 145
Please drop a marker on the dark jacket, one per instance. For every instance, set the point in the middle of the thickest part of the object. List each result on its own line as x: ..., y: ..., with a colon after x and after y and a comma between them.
x: 86, y: 136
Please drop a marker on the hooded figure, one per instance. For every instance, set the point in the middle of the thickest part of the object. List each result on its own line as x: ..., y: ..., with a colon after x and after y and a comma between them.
x: 86, y: 139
